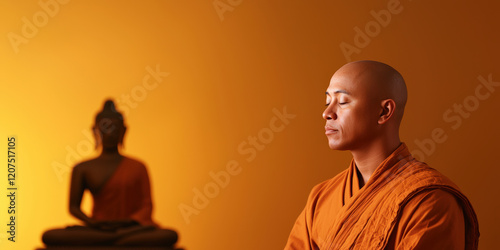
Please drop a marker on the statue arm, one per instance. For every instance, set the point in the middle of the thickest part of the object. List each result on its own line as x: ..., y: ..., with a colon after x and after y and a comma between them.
x: 76, y: 193
x: 143, y: 215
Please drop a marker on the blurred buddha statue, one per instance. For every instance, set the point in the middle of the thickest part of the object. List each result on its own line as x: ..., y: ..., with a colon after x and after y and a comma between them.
x: 120, y: 188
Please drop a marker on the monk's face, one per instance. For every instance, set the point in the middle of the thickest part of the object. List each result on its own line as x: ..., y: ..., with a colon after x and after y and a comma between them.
x: 110, y: 132
x: 352, y: 109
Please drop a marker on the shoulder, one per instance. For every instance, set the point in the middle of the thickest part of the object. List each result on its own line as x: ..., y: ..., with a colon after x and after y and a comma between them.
x: 82, y: 166
x: 433, y: 200
x: 415, y: 177
x: 134, y: 161
x: 421, y: 184
x: 134, y: 165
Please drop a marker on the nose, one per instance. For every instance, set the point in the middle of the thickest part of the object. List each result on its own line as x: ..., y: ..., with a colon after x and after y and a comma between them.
x: 329, y: 113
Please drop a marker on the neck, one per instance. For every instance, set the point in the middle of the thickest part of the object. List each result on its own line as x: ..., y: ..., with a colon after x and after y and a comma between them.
x: 367, y: 159
x: 111, y: 152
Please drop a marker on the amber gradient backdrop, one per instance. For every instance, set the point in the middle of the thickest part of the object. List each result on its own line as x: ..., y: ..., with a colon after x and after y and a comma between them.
x: 227, y: 72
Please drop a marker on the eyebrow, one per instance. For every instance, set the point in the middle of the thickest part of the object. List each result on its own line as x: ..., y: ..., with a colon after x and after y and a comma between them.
x: 338, y: 91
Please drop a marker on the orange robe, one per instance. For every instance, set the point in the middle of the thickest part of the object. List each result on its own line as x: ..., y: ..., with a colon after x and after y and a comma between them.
x: 126, y: 195
x: 405, y: 205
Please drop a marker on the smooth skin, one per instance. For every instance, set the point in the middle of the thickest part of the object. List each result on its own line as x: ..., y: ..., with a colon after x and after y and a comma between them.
x: 365, y: 104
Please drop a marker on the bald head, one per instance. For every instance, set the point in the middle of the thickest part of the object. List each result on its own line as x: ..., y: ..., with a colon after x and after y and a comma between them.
x: 379, y: 80
x: 365, y: 104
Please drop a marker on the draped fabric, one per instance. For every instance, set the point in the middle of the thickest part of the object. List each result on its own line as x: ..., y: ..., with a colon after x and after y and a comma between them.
x: 126, y: 195
x: 405, y: 205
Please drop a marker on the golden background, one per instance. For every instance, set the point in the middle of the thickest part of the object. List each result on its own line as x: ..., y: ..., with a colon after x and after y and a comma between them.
x: 231, y: 65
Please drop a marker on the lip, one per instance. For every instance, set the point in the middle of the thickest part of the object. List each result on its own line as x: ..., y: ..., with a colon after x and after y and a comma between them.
x: 330, y: 130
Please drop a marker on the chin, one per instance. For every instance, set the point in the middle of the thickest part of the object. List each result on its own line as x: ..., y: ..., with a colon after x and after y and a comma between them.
x: 336, y: 146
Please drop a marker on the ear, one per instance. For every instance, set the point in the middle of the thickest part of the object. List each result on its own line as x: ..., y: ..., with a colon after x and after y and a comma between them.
x: 388, y: 108
x: 122, y: 135
x: 97, y: 137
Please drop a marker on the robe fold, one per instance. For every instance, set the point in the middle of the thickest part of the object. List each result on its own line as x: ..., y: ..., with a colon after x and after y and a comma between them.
x: 405, y: 205
x: 125, y: 195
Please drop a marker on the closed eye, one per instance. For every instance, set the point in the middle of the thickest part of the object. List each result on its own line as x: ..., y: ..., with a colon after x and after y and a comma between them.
x: 340, y: 103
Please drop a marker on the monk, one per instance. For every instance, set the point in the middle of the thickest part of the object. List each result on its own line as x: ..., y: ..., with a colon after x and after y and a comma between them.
x: 385, y: 199
x: 120, y: 188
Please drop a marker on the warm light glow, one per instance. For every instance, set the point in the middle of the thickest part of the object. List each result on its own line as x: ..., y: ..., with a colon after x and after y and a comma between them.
x: 201, y: 86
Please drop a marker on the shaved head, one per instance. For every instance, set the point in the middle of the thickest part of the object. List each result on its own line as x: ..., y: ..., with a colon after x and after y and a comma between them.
x: 365, y: 105
x: 380, y: 80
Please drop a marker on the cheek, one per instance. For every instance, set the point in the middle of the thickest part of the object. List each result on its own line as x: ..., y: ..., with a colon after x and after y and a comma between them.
x: 352, y: 122
x: 345, y: 121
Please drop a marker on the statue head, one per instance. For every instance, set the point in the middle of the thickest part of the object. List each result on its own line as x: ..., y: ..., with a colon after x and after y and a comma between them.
x: 109, y: 127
